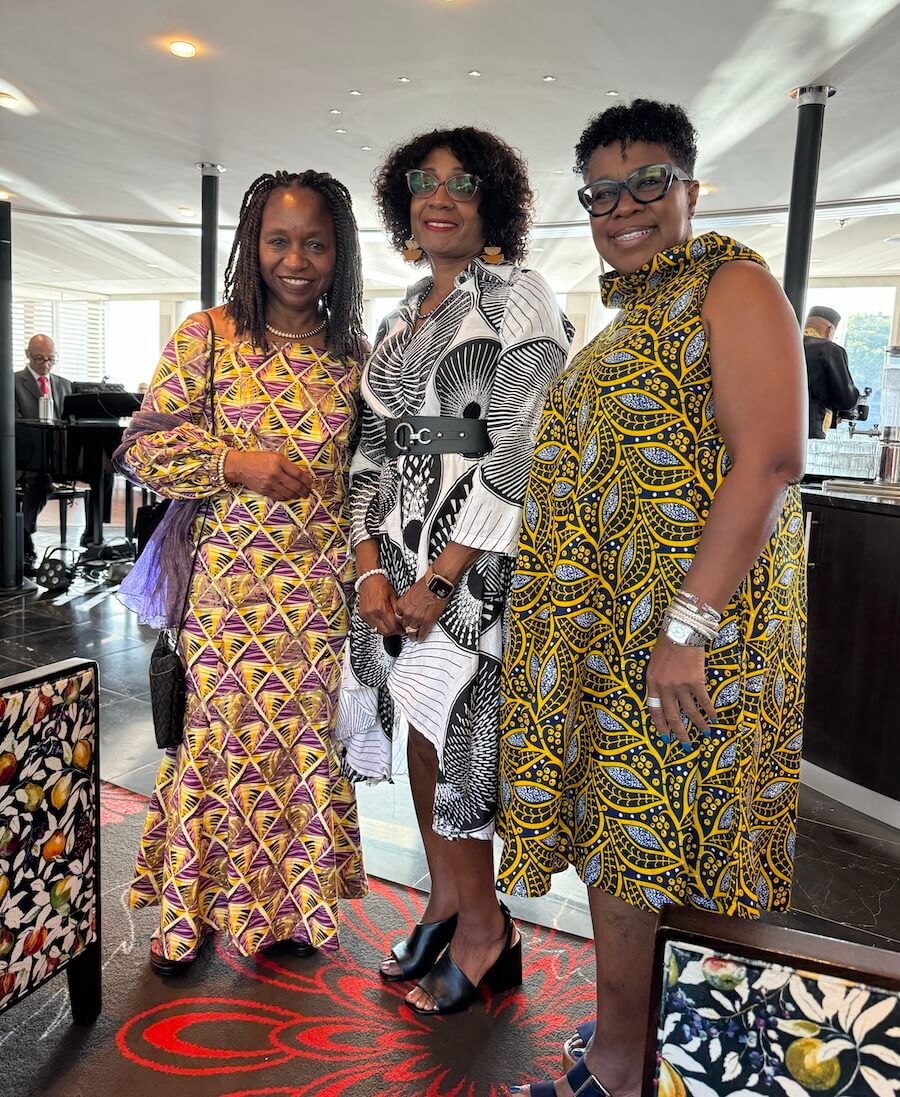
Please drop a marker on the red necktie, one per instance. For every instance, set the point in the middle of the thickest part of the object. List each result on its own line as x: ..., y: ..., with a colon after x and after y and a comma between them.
x: 45, y: 385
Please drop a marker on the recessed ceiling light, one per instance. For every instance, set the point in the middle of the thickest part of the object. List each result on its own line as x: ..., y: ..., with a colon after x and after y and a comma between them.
x: 538, y: 249
x: 154, y: 266
x: 182, y: 49
x: 355, y: 91
x: 56, y: 270
x: 339, y: 130
x: 185, y: 211
x: 366, y: 148
x: 612, y: 93
x: 706, y: 188
x: 548, y: 79
x: 403, y: 80
x: 12, y: 98
x: 334, y: 110
x: 892, y: 239
x: 6, y: 195
x: 474, y: 72
x: 557, y: 171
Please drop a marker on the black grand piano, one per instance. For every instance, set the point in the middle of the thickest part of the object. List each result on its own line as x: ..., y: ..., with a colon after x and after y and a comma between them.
x: 80, y: 444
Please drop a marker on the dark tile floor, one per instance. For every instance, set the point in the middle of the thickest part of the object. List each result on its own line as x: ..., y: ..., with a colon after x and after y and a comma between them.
x: 847, y: 879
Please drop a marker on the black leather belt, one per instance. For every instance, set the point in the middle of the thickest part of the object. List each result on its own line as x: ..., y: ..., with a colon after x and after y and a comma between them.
x: 436, y: 434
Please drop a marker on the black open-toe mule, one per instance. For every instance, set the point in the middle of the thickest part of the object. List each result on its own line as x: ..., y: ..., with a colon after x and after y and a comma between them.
x: 167, y: 968
x: 580, y: 1079
x: 416, y: 955
x: 300, y: 948
x: 452, y: 991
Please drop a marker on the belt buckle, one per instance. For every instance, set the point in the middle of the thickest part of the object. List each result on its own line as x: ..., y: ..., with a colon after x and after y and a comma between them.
x: 414, y: 436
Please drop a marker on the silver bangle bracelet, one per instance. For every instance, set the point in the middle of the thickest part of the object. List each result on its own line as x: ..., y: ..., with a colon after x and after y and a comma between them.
x: 691, y: 601
x: 368, y: 575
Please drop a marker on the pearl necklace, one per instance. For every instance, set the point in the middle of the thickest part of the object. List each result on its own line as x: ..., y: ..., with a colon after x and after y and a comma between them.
x: 296, y: 336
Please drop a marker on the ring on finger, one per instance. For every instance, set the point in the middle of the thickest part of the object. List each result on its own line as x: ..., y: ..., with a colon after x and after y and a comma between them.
x: 654, y: 702
x: 412, y: 632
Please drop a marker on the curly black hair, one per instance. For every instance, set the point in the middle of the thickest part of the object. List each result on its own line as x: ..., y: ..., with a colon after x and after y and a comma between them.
x: 245, y: 292
x: 644, y: 120
x: 506, y: 197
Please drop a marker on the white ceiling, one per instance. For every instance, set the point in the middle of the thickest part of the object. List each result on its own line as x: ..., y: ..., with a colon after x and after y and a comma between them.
x: 100, y: 170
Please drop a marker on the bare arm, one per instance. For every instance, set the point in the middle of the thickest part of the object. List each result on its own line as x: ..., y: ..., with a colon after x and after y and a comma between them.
x: 759, y: 388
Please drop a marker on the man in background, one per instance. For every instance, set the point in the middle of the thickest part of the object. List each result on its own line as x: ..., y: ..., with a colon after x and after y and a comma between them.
x: 31, y: 383
x: 831, y: 388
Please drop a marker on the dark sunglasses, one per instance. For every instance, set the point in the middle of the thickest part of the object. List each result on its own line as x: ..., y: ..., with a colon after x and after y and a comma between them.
x: 461, y: 188
x: 645, y: 185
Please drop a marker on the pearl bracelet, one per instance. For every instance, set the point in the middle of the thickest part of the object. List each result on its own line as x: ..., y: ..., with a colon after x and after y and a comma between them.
x: 219, y: 470
x: 368, y: 575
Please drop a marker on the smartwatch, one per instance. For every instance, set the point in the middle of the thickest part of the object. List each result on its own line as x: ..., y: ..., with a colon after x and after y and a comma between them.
x: 438, y: 585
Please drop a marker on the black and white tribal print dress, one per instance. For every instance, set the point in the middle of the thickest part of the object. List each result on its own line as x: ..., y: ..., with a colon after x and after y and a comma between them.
x: 489, y: 351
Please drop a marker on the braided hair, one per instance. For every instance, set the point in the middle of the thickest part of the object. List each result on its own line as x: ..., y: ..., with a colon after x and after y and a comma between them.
x: 245, y: 291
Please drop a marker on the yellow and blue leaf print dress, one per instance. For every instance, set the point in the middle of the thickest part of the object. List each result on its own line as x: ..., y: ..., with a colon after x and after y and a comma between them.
x: 627, y: 463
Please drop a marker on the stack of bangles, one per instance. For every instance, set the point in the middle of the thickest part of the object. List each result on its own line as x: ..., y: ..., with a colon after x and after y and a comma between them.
x: 689, y: 623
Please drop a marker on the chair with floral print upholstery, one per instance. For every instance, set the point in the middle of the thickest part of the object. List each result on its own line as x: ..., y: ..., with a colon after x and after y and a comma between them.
x: 49, y: 834
x: 742, y: 1009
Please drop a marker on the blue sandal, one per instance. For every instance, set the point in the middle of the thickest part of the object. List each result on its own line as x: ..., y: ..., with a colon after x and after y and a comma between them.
x: 583, y: 1084
x: 576, y: 1044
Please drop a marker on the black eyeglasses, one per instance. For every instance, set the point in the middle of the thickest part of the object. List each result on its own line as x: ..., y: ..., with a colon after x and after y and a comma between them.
x: 461, y: 188
x: 41, y: 359
x: 645, y: 185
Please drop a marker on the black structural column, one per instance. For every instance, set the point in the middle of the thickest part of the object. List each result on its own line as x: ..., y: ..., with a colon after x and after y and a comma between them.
x: 10, y: 559
x: 209, y: 230
x: 801, y: 215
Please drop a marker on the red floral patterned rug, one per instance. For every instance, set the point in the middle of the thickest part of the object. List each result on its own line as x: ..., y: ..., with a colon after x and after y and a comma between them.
x: 326, y: 1026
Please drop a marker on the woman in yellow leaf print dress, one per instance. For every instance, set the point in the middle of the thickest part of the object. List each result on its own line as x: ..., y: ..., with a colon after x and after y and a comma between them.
x: 252, y: 830
x: 654, y: 671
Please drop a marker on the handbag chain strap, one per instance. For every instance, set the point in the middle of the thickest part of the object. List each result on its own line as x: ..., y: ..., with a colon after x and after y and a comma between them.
x: 210, y: 394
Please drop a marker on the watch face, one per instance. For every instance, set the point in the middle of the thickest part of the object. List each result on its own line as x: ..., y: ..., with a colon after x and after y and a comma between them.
x: 679, y: 633
x: 440, y: 587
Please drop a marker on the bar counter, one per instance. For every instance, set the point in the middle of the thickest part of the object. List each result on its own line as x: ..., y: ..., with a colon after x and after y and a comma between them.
x: 852, y: 732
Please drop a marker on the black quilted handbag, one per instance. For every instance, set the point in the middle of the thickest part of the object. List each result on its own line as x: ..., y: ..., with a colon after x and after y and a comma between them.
x: 168, y: 690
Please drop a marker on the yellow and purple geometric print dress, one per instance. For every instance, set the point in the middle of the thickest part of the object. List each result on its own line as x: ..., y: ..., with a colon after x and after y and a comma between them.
x: 252, y: 830
x: 627, y: 462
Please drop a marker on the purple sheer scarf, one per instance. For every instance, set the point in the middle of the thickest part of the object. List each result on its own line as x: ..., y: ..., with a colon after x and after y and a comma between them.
x: 157, y: 585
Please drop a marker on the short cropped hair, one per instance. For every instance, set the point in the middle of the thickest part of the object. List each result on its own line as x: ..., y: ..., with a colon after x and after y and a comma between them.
x: 646, y: 120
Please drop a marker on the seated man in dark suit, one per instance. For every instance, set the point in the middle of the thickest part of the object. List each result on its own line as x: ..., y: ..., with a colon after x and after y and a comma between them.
x: 831, y: 388
x: 31, y: 383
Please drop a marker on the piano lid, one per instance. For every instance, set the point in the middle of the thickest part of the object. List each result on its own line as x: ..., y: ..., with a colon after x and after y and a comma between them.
x: 104, y: 405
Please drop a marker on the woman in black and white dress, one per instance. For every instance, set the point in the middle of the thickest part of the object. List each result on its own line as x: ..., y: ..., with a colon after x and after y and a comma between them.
x: 453, y: 393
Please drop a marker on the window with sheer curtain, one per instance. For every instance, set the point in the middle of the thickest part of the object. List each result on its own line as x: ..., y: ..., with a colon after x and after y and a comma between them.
x: 77, y: 327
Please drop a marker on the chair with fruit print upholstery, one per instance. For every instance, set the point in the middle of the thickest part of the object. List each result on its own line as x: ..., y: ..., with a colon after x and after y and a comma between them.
x: 742, y: 1009
x: 49, y: 834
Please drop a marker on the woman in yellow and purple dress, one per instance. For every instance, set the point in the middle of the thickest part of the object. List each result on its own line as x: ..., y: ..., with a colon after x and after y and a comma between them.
x: 655, y: 665
x: 252, y: 830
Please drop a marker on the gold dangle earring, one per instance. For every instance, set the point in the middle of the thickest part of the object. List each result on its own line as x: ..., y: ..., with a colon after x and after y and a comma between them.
x: 412, y: 253
x: 493, y: 255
